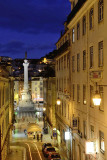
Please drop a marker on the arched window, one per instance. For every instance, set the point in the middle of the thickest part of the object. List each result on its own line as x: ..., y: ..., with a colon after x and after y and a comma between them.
x: 100, y: 10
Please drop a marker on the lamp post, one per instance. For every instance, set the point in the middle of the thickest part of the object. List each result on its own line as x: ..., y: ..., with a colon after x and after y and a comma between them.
x: 97, y: 99
x: 97, y: 96
x: 58, y: 101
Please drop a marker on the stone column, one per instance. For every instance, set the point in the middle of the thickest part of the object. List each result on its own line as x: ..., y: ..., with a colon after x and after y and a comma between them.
x: 25, y: 64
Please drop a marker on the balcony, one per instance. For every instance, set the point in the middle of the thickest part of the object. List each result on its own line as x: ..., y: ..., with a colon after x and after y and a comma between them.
x: 63, y: 48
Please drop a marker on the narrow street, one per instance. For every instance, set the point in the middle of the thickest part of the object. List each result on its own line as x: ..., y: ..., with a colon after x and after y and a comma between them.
x: 26, y: 148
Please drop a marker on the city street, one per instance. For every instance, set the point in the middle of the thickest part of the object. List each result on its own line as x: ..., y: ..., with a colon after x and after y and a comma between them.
x: 32, y: 147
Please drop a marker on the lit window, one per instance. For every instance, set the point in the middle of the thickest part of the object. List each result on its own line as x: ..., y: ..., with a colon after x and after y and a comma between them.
x: 84, y: 60
x: 78, y: 31
x: 84, y: 25
x: 100, y: 10
x: 102, y: 146
x: 73, y: 35
x: 84, y: 94
x: 91, y: 57
x: 100, y: 55
x: 91, y: 18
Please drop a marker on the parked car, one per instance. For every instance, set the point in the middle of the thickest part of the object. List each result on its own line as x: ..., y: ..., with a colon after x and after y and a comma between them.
x: 54, y: 155
x: 46, y: 145
x: 47, y: 150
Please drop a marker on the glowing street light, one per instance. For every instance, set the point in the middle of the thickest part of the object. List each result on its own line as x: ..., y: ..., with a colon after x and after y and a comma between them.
x: 58, y: 101
x: 97, y: 99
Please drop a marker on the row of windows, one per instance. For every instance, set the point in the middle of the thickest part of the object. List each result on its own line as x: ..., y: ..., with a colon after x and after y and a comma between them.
x: 100, y: 58
x: 63, y: 62
x: 63, y: 84
x: 91, y: 21
x: 84, y: 94
x: 63, y: 41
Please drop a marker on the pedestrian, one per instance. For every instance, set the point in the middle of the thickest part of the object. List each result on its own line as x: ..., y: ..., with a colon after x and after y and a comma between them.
x: 41, y: 137
x: 37, y: 137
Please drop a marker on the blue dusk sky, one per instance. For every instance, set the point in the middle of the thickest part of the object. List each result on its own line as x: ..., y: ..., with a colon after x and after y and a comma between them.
x: 31, y: 25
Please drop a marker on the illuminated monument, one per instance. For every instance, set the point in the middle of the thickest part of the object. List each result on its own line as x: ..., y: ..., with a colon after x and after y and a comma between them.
x: 26, y: 104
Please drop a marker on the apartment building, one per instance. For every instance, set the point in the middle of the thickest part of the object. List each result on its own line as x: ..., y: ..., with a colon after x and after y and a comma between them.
x: 87, y: 33
x: 6, y: 109
x: 49, y: 105
x: 63, y: 81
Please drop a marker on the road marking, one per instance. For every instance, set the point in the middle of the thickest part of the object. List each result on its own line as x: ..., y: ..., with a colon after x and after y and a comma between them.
x: 29, y: 151
x: 38, y: 151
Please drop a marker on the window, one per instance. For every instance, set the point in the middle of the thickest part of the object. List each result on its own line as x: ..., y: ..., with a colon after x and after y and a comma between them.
x: 65, y: 61
x: 59, y: 64
x: 73, y: 92
x: 78, y: 93
x: 92, y: 131
x: 84, y: 129
x: 100, y: 10
x: 84, y: 60
x: 78, y: 62
x: 100, y: 54
x: 73, y: 35
x: 91, y: 18
x: 84, y: 25
x: 91, y: 96
x: 78, y: 31
x: 101, y: 107
x: 102, y: 146
x: 84, y: 94
x: 68, y: 59
x: 91, y: 57
x: 73, y: 63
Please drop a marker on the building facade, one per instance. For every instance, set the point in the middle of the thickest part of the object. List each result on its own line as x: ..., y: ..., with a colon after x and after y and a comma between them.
x: 49, y: 104
x: 87, y: 33
x: 6, y: 109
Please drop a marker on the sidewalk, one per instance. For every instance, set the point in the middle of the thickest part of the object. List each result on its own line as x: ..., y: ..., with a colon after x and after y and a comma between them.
x: 16, y: 152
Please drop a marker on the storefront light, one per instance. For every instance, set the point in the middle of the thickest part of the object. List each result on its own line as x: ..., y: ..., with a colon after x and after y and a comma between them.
x: 67, y: 135
x: 90, y: 148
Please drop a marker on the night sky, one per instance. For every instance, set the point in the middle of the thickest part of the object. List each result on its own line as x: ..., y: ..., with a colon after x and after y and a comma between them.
x: 31, y: 25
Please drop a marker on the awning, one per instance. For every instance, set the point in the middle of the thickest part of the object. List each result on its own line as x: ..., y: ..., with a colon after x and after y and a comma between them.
x: 33, y: 127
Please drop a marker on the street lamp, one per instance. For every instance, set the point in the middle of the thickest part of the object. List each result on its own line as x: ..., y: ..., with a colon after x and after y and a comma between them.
x: 97, y: 97
x: 58, y: 101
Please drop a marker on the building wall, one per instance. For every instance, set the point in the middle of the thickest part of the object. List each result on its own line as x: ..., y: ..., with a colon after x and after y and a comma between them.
x: 85, y: 70
x: 88, y: 115
x: 37, y: 89
x: 6, y: 112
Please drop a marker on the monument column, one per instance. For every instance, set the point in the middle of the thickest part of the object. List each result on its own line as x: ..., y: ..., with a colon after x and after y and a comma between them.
x: 25, y: 64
